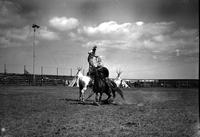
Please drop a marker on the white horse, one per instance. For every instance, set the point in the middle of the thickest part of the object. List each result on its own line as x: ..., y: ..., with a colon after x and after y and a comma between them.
x: 82, y: 82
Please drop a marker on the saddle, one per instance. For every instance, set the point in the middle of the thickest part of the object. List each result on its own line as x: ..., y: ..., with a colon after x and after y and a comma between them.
x: 103, y: 71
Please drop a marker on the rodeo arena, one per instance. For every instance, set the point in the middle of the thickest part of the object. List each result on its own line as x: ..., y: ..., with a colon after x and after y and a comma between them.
x: 89, y: 103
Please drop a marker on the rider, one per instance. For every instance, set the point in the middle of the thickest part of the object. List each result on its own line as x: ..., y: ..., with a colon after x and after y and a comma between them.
x: 96, y: 62
x: 91, y: 59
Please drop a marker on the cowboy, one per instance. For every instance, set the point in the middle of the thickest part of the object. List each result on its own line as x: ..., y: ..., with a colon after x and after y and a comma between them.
x: 96, y: 62
x: 92, y: 59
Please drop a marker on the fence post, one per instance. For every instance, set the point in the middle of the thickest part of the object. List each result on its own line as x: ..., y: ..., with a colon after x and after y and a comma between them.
x: 57, y: 71
x: 5, y: 70
x: 71, y: 72
x: 24, y: 68
x: 41, y: 70
x: 42, y: 76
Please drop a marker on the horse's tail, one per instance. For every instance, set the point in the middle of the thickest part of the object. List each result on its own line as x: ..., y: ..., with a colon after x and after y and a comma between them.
x: 117, y: 89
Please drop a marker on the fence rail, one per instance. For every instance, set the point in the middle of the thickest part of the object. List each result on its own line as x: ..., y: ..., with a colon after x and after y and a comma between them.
x: 7, y: 79
x: 15, y: 74
x: 39, y: 70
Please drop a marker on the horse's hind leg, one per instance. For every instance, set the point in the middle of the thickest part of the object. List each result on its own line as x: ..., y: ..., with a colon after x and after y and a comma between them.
x: 91, y: 94
x: 109, y: 96
x: 110, y: 89
x: 100, y: 97
x: 113, y: 92
x: 82, y: 95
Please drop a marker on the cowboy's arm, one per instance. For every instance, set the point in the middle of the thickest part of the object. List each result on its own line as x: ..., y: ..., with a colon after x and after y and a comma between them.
x: 96, y: 56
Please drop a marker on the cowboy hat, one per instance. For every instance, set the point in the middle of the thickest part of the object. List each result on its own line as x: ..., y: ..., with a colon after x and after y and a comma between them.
x: 94, y: 47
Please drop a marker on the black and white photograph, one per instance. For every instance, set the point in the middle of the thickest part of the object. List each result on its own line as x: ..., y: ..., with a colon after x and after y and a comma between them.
x: 99, y: 68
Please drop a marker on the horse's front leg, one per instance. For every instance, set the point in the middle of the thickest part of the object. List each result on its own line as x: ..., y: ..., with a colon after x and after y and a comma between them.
x: 96, y: 99
x: 100, y: 97
x: 110, y: 90
x: 82, y: 95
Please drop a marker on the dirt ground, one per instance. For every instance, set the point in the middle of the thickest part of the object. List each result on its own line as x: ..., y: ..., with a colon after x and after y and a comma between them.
x: 56, y: 112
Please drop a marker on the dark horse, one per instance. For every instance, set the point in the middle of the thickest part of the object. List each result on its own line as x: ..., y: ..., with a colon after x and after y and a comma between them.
x: 102, y: 84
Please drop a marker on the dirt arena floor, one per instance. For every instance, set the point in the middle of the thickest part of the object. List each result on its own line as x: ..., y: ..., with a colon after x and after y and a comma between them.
x: 56, y: 112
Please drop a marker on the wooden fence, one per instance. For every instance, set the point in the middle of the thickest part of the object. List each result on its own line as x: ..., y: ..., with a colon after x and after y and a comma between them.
x: 43, y: 80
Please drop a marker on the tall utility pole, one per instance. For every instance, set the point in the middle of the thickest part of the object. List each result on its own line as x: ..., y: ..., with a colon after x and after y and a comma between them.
x: 35, y: 27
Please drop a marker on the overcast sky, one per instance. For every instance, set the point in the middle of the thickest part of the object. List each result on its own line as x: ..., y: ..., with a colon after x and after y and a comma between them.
x: 145, y: 39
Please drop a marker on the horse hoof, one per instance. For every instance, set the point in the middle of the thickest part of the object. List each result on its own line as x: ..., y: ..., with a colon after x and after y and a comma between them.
x: 82, y: 101
x: 108, y: 101
x: 114, y: 103
x: 111, y: 100
x: 96, y: 103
